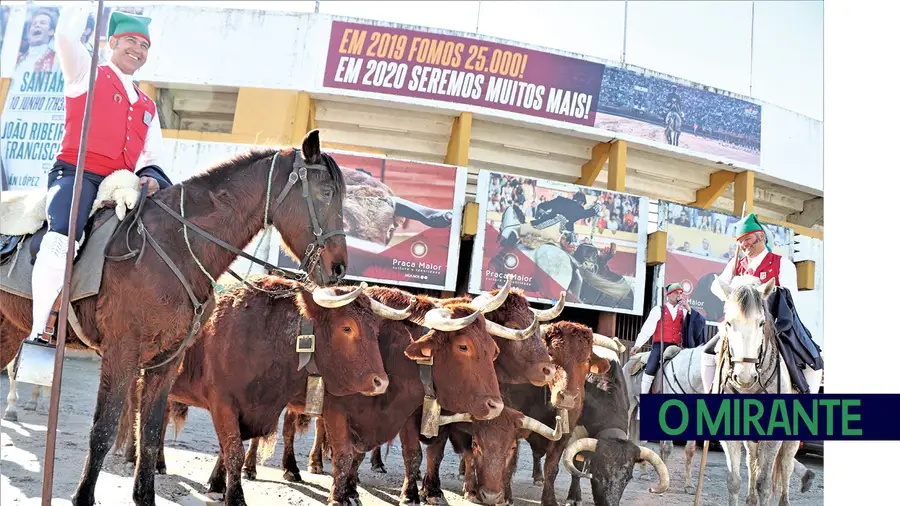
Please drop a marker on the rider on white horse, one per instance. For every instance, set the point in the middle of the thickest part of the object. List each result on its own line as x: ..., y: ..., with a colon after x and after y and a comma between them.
x: 759, y: 260
x: 668, y: 329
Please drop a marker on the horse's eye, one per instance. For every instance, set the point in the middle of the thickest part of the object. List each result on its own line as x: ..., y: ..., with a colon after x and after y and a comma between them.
x: 762, y: 323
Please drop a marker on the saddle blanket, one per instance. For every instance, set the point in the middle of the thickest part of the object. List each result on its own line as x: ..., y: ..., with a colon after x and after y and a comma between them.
x: 15, y: 275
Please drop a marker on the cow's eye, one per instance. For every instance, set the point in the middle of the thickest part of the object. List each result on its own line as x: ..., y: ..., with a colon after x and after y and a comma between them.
x: 347, y: 329
x: 463, y: 347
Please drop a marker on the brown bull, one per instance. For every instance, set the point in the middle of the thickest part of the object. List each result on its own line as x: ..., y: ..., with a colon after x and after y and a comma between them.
x: 244, y: 366
x: 569, y: 345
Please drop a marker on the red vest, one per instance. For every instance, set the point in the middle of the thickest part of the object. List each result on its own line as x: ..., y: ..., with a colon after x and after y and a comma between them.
x: 769, y: 268
x: 672, y: 327
x: 118, y: 128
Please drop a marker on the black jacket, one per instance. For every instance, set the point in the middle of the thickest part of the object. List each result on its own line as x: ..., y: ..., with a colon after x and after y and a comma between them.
x: 794, y: 339
x: 693, y: 330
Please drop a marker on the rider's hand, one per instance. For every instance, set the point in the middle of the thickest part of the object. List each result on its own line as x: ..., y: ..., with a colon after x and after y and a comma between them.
x: 152, y: 185
x: 634, y: 350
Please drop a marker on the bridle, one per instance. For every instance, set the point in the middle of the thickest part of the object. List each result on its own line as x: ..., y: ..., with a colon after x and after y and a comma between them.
x: 758, y: 360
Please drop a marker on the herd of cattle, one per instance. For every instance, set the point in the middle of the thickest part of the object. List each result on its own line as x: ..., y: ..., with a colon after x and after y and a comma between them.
x: 370, y: 363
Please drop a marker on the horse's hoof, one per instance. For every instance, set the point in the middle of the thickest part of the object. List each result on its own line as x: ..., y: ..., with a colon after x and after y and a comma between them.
x: 379, y: 469
x: 314, y: 469
x: 30, y: 406
x: 806, y: 481
x: 216, y: 496
x: 539, y: 481
x: 292, y: 477
x: 690, y: 490
x: 11, y: 416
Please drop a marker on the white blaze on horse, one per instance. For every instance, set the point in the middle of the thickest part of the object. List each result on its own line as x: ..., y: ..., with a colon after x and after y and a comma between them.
x: 751, y: 364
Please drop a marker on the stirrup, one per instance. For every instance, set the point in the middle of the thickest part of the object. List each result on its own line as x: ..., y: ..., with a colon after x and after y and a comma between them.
x: 39, y: 340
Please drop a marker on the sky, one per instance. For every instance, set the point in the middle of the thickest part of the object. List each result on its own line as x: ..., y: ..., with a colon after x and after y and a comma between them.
x: 702, y: 41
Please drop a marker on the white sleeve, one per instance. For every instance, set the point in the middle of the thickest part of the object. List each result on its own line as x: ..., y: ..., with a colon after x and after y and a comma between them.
x: 74, y: 59
x: 787, y: 277
x: 152, y: 153
x: 648, y: 327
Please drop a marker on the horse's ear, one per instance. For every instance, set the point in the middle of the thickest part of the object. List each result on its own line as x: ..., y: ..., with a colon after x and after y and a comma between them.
x: 312, y: 151
x: 767, y: 288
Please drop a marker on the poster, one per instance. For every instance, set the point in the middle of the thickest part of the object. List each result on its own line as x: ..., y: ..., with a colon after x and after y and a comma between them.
x: 670, y: 113
x: 413, y: 63
x: 700, y: 243
x: 402, y: 220
x: 32, y: 124
x: 4, y: 20
x: 550, y: 237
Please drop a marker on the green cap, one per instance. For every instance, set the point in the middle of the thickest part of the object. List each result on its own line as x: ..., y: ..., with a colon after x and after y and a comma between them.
x: 671, y: 287
x: 127, y: 24
x: 749, y: 225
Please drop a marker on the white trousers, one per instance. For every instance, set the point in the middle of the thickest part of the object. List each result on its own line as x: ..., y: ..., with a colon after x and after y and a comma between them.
x: 47, y: 279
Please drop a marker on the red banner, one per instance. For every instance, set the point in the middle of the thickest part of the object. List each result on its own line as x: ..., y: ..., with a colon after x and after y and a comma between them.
x: 402, y: 220
x: 412, y: 63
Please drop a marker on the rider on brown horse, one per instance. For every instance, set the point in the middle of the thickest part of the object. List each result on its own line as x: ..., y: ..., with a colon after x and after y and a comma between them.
x: 124, y: 127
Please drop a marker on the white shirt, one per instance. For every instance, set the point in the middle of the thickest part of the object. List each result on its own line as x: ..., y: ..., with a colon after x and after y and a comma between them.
x: 649, y: 326
x: 787, y: 275
x: 75, y: 62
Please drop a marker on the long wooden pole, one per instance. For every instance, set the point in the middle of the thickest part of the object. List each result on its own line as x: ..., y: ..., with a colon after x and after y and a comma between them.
x: 62, y: 321
x: 699, y: 493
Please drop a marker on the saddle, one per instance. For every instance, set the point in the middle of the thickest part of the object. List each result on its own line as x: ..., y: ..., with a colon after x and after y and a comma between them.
x: 23, y: 224
x: 639, y: 363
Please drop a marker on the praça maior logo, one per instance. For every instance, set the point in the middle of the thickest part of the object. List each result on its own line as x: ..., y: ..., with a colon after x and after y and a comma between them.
x: 687, y: 286
x: 510, y: 261
x: 419, y: 249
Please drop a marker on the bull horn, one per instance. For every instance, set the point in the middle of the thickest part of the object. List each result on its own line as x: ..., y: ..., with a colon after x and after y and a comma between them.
x: 390, y: 313
x: 327, y: 297
x: 610, y: 343
x: 545, y: 315
x: 536, y: 426
x: 585, y: 444
x: 495, y: 329
x: 439, y: 319
x: 487, y: 303
x: 660, y: 467
x: 459, y: 417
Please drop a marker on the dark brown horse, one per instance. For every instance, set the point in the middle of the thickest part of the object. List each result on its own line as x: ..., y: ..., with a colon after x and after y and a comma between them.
x: 144, y: 312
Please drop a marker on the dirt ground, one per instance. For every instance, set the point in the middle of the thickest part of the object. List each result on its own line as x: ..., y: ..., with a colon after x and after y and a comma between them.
x: 687, y: 140
x: 190, y: 459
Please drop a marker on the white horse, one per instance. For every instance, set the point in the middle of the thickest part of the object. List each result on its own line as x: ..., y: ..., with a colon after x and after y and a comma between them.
x: 682, y: 376
x: 750, y: 363
x: 12, y: 414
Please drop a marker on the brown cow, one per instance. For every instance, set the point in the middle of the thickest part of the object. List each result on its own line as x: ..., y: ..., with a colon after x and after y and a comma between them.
x: 462, y: 372
x: 569, y: 345
x: 243, y: 367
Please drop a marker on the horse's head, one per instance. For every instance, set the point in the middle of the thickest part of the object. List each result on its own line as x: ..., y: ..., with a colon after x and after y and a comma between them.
x: 747, y: 326
x: 310, y: 216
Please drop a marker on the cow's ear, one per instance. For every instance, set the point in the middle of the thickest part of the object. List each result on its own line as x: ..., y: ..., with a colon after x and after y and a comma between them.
x: 310, y: 309
x: 423, y: 349
x: 599, y: 365
x: 522, y: 433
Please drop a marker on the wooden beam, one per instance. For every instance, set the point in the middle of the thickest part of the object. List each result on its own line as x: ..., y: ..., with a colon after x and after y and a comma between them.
x: 806, y: 275
x: 744, y: 183
x: 606, y: 324
x: 813, y: 213
x: 301, y: 118
x: 470, y: 220
x: 460, y: 137
x: 656, y: 248
x: 4, y: 91
x: 265, y: 115
x: 149, y: 89
x: 798, y: 229
x: 591, y: 169
x: 718, y: 183
x: 616, y: 172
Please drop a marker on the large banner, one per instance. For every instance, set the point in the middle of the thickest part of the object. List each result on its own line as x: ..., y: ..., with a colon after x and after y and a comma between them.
x: 32, y: 124
x: 700, y: 244
x: 412, y: 63
x: 551, y: 237
x: 671, y: 113
x: 420, y: 64
x: 402, y: 220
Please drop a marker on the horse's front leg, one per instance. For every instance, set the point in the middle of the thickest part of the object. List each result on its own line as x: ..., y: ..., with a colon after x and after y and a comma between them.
x: 767, y: 454
x: 733, y: 464
x: 153, y: 397
x: 786, y: 462
x: 32, y: 404
x: 753, y: 472
x: 115, y: 375
x: 689, y: 448
x: 12, y: 398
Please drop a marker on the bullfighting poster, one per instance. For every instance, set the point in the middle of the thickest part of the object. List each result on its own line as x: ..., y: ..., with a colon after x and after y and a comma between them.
x: 551, y: 237
x: 32, y: 124
x: 700, y: 243
x: 402, y: 220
